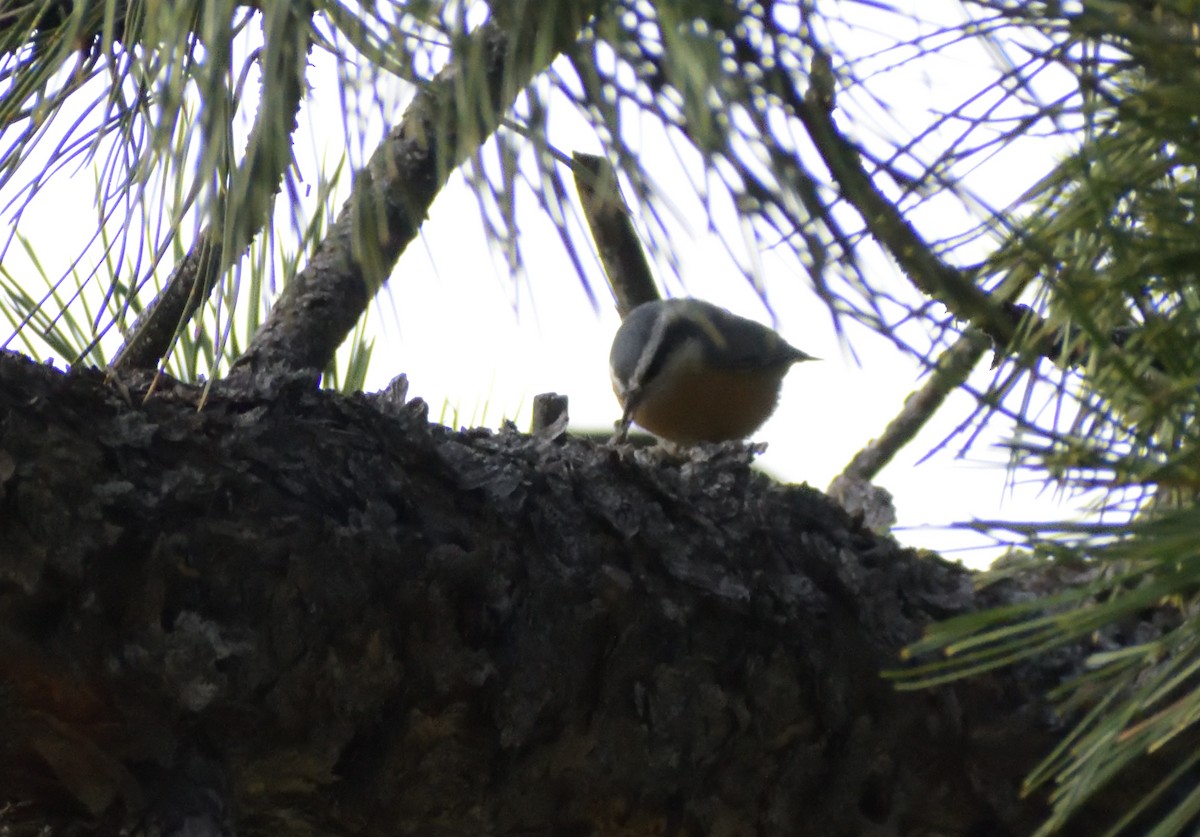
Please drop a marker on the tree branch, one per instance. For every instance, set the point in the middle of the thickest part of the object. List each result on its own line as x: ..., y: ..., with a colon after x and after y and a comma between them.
x: 952, y: 369
x: 853, y: 488
x: 617, y: 242
x: 242, y: 213
x: 954, y: 288
x: 455, y: 113
x: 347, y: 620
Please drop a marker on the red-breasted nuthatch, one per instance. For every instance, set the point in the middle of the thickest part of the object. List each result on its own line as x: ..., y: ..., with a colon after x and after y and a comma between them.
x: 689, y: 371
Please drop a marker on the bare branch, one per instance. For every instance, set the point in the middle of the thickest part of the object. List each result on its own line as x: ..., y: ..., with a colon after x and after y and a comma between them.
x: 954, y: 288
x: 617, y: 242
x: 952, y: 370
x: 186, y: 288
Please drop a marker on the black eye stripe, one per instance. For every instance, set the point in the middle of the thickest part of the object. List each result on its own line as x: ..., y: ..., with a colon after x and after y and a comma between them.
x: 675, y: 335
x: 654, y: 333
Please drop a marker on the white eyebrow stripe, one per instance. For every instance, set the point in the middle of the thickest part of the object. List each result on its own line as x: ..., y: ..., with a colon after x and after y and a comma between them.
x: 650, y: 350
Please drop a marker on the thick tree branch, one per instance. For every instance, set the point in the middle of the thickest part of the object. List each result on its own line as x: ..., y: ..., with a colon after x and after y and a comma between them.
x: 348, y: 620
x: 455, y: 113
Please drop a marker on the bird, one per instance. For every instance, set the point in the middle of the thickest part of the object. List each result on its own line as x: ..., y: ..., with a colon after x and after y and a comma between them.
x: 691, y: 372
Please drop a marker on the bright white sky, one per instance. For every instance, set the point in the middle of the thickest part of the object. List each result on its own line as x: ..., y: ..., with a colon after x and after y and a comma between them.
x: 478, y: 346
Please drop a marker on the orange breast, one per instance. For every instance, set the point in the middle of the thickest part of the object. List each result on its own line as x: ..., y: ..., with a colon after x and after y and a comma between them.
x: 709, y: 406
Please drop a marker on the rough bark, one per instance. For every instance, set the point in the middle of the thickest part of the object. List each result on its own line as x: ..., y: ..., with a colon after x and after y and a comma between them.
x: 299, y: 613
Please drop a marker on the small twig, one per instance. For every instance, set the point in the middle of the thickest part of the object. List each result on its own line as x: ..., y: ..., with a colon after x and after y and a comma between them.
x: 550, y: 415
